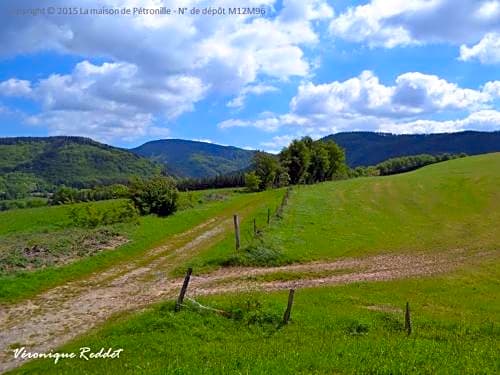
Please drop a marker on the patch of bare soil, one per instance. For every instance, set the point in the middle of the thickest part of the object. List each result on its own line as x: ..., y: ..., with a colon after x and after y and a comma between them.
x: 19, y: 253
x: 58, y: 315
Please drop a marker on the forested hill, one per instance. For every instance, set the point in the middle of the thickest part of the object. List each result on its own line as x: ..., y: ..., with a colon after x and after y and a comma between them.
x: 196, y: 159
x: 73, y: 161
x: 367, y: 148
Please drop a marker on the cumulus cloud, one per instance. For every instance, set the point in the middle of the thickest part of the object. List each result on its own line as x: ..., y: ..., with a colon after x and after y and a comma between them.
x: 107, y: 101
x: 391, y: 23
x: 259, y: 89
x: 278, y: 142
x: 364, y: 103
x: 486, y: 120
x: 15, y: 87
x: 157, y: 67
x: 487, y: 51
x: 412, y: 94
x: 240, y: 47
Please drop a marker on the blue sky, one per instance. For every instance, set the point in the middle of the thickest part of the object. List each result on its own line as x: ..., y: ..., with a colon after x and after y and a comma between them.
x: 308, y: 67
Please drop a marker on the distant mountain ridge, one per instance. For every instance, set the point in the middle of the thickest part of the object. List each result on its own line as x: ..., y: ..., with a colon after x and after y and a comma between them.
x: 368, y: 148
x: 31, y: 162
x: 184, y: 158
x: 72, y: 161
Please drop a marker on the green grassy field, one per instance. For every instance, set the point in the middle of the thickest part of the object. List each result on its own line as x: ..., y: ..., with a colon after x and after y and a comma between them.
x: 151, y: 231
x: 452, y: 205
x: 215, y: 256
x: 356, y: 328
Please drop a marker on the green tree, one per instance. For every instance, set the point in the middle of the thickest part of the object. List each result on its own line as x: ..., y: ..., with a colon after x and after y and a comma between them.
x: 252, y: 181
x: 283, y: 178
x: 319, y: 167
x: 64, y: 195
x: 158, y: 195
x: 266, y: 167
x: 296, y: 158
x: 337, y: 166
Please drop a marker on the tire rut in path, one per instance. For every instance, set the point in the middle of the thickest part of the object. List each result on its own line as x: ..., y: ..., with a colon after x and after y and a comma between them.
x: 62, y: 313
x: 54, y: 323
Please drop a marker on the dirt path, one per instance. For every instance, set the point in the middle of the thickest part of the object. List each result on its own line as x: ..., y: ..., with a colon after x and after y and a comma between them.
x: 58, y: 315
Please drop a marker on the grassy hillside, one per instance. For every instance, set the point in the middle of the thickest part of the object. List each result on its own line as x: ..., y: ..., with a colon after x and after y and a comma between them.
x: 445, y: 206
x: 355, y: 328
x: 73, y: 161
x: 366, y: 148
x: 451, y: 205
x: 196, y: 159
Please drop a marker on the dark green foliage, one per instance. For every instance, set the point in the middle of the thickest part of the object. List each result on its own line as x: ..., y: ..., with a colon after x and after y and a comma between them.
x: 252, y: 181
x: 307, y: 161
x: 296, y: 159
x: 253, y: 312
x: 336, y: 157
x: 257, y: 254
x: 266, y: 167
x: 38, y: 164
x: 217, y: 182
x: 191, y: 159
x: 65, y: 195
x: 410, y: 163
x: 91, y: 215
x: 18, y: 185
x: 364, y: 172
x: 22, y: 203
x: 304, y: 161
x: 366, y: 148
x: 158, y: 195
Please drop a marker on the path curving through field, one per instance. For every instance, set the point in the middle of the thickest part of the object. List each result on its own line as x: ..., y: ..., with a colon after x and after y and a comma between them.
x: 58, y: 315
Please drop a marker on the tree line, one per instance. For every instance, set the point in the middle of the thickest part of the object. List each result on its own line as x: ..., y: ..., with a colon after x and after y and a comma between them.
x: 403, y: 164
x: 304, y: 161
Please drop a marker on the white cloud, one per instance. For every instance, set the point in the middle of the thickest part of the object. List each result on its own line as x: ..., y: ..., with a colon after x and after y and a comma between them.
x: 204, y: 140
x: 486, y: 120
x: 391, y: 23
x: 259, y: 89
x: 226, y: 52
x: 267, y: 123
x: 487, y: 51
x: 493, y: 89
x: 108, y: 101
x: 412, y: 94
x: 278, y: 142
x: 15, y: 87
x: 364, y: 103
x: 157, y: 67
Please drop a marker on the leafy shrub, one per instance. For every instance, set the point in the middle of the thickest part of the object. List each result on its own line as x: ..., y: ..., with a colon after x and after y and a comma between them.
x: 22, y: 203
x: 65, y: 195
x: 252, y: 312
x: 256, y: 255
x: 356, y: 328
x: 91, y: 216
x: 252, y: 181
x: 156, y: 196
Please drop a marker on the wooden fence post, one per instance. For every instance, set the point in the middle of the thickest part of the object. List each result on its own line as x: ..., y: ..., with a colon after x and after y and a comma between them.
x: 408, y: 319
x: 237, y: 231
x: 268, y: 216
x: 286, y: 316
x: 183, y: 289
